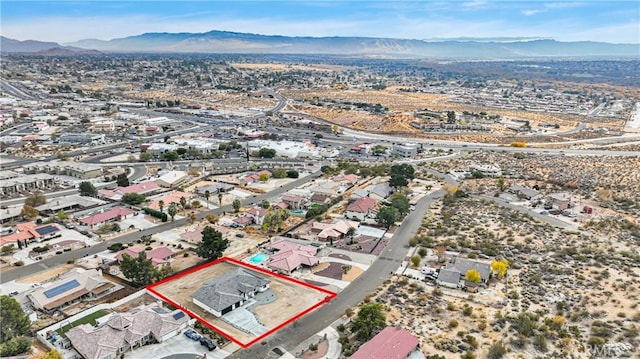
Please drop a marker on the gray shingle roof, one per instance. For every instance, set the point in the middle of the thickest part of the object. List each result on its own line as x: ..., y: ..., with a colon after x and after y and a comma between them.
x: 227, y: 289
x: 449, y: 276
x: 462, y: 265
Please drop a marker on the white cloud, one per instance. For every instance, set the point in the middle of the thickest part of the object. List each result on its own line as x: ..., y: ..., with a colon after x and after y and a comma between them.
x: 530, y: 12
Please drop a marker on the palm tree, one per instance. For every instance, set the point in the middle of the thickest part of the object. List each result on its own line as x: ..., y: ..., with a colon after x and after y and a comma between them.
x: 207, y: 194
x: 161, y: 205
x: 172, y: 210
x: 183, y: 204
x: 220, y: 198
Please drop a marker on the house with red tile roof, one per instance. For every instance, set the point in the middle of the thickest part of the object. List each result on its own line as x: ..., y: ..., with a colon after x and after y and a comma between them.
x: 254, y: 177
x: 360, y: 208
x: 29, y: 232
x: 243, y: 221
x: 158, y: 256
x: 334, y: 230
x: 115, y: 214
x: 390, y: 343
x: 145, y: 188
x: 195, y: 235
x: 171, y: 197
x: 347, y: 179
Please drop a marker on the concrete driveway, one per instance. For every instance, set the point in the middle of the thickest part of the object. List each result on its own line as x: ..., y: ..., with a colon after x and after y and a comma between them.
x: 178, y: 347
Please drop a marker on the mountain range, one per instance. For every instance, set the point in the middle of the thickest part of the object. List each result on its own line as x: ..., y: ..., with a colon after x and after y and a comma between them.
x: 235, y: 42
x: 8, y: 45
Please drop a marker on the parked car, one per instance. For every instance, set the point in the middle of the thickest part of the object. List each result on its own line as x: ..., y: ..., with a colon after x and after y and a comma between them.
x: 208, y: 343
x: 192, y: 334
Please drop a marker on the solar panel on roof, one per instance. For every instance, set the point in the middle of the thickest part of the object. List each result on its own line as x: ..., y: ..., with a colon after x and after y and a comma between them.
x: 61, y: 288
x: 178, y: 315
x: 46, y: 230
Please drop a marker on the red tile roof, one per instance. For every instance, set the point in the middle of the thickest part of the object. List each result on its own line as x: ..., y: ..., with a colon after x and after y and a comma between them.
x: 362, y: 205
x: 106, y: 216
x: 390, y: 343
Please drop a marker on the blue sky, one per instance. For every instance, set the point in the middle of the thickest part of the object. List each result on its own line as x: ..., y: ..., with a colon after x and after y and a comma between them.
x: 66, y: 21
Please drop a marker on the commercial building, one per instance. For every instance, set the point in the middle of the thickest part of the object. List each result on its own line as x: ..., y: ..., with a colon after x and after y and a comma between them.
x: 15, y: 183
x: 74, y: 169
x: 82, y: 138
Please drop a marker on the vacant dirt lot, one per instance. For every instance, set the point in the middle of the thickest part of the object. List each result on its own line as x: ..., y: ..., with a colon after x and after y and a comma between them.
x: 292, y: 298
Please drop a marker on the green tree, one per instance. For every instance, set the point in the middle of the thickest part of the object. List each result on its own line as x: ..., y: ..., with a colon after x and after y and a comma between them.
x: 451, y: 117
x: 415, y: 260
x: 264, y: 177
x: 181, y: 151
x: 13, y: 321
x: 122, y: 180
x: 265, y: 204
x: 191, y: 218
x: 62, y: 215
x: 140, y: 270
x: 293, y: 174
x: 35, y: 200
x: 172, y: 210
x: 29, y: 213
x: 401, y: 203
x: 87, y: 189
x: 236, y: 205
x: 15, y: 346
x: 267, y: 153
x: 387, y: 216
x: 212, y: 245
x: 473, y: 275
x: 401, y: 174
x: 279, y: 173
x: 378, y: 150
x: 161, y: 205
x: 169, y: 156
x: 207, y: 194
x: 146, y: 157
x: 369, y: 321
x: 220, y: 199
x: 183, y: 204
x: 133, y: 198
x: 327, y: 170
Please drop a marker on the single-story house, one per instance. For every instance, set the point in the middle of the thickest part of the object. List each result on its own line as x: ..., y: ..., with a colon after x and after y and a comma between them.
x: 29, y: 232
x: 115, y: 214
x: 360, y: 208
x: 391, y: 342
x: 334, y: 230
x: 127, y: 331
x: 76, y: 285
x: 318, y: 198
x: 243, y: 221
x: 524, y: 192
x: 229, y: 291
x: 380, y: 191
x: 290, y: 256
x: 195, y: 235
x: 171, y: 197
x: 254, y: 177
x: 461, y: 266
x: 215, y: 188
x: 145, y: 188
x: 158, y: 256
x: 172, y: 179
x: 349, y: 179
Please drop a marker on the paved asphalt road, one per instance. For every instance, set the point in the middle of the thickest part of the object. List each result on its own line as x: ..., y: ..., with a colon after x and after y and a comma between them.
x: 60, y: 259
x: 389, y: 260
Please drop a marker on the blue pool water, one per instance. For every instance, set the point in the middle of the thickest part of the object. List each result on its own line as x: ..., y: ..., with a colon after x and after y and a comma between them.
x: 258, y: 258
x: 297, y: 212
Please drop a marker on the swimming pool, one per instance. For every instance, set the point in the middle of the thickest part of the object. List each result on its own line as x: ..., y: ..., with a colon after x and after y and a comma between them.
x: 297, y: 212
x: 258, y: 258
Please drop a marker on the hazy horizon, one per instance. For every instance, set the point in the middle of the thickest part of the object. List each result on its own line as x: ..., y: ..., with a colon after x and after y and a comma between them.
x: 69, y: 21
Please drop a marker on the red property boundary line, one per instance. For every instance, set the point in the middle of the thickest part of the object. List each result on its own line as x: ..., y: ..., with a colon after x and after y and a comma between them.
x: 330, y: 295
